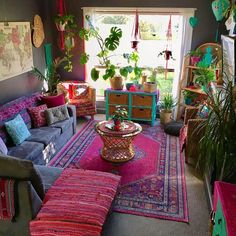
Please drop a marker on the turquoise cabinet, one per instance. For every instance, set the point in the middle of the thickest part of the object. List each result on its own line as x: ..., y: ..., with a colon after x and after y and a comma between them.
x: 224, y: 207
x: 141, y: 106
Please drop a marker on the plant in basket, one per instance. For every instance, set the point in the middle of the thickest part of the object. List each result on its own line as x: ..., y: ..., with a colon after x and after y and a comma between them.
x: 118, y: 117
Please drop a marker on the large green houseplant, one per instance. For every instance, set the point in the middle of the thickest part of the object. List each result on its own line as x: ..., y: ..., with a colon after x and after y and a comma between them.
x: 51, y: 77
x: 218, y: 144
x: 107, y: 47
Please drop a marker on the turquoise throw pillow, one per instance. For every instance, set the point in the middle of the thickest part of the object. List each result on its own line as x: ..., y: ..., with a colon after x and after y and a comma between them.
x: 17, y: 129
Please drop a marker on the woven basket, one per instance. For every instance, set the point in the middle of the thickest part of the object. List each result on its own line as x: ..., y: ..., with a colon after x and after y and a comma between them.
x: 149, y: 87
x: 117, y: 83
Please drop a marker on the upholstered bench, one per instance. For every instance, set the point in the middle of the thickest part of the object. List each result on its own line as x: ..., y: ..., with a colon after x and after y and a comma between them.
x: 76, y: 204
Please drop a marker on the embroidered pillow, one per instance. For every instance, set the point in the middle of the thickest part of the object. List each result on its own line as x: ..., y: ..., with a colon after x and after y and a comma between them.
x: 38, y: 115
x: 54, y: 101
x: 17, y: 129
x: 3, y: 147
x: 56, y: 114
x: 203, y: 112
x: 80, y: 91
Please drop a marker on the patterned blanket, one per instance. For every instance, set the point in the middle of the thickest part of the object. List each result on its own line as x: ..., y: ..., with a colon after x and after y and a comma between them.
x: 76, y: 204
x: 7, y: 207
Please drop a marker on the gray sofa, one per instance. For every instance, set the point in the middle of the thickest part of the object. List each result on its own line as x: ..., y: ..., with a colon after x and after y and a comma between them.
x: 44, y: 142
x: 33, y: 181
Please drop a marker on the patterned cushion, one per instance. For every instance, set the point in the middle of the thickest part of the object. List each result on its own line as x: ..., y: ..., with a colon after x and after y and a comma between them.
x: 56, y: 114
x: 3, y: 147
x: 80, y: 91
x: 38, y: 115
x: 18, y: 106
x: 17, y: 129
x: 54, y: 101
x: 79, y: 197
x: 203, y: 112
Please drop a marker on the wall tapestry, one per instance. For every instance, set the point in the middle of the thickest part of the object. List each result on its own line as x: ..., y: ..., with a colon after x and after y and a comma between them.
x: 16, y: 55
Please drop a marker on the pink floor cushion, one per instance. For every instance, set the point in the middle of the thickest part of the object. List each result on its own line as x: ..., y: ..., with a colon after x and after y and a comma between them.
x: 58, y: 228
x: 79, y: 196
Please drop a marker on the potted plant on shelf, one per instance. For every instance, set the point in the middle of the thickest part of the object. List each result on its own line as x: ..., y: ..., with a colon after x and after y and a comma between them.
x: 118, y: 117
x: 195, y: 56
x: 189, y: 97
x: 107, y: 46
x: 51, y: 77
x: 217, y: 146
x: 166, y: 108
x: 203, y: 77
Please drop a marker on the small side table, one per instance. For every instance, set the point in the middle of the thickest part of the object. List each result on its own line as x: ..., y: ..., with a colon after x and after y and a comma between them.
x: 117, y: 145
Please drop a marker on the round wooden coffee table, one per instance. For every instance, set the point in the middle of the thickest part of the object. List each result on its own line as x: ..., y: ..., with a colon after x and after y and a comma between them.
x: 117, y: 145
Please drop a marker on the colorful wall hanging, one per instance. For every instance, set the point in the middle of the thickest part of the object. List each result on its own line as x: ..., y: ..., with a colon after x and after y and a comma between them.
x: 16, y: 55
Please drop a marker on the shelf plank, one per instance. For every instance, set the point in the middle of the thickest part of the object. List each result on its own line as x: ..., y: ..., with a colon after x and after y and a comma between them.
x: 196, y: 90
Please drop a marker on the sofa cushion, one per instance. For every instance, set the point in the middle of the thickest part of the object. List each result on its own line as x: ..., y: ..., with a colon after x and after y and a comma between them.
x: 3, y: 147
x: 38, y: 115
x: 27, y: 150
x: 44, y: 135
x: 18, y: 106
x: 17, y: 129
x: 56, y: 114
x: 53, y: 101
x: 63, y: 125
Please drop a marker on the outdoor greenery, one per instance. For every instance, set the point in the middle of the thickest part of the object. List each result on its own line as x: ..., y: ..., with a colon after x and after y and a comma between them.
x: 115, y: 20
x: 217, y: 146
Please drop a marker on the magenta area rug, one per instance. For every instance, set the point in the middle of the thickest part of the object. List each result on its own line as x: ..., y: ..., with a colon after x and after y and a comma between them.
x: 152, y: 184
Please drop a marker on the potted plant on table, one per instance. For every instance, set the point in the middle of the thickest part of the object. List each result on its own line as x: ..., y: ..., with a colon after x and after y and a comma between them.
x: 166, y: 108
x: 150, y: 86
x: 118, y: 117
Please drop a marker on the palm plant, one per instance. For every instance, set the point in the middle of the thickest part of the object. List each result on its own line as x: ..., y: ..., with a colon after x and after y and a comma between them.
x: 51, y: 77
x: 218, y: 145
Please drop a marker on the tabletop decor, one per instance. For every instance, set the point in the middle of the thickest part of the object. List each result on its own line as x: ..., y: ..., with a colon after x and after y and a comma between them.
x: 118, y: 117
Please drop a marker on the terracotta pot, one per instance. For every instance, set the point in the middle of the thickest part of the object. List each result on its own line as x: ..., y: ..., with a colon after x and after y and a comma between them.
x: 150, y: 87
x: 117, y: 83
x: 165, y: 117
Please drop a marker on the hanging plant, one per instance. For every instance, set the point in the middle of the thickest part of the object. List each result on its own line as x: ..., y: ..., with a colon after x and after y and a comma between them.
x: 64, y: 21
x: 167, y: 55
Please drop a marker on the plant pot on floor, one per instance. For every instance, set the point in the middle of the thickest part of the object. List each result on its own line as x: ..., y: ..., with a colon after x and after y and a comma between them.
x: 150, y: 87
x: 165, y: 116
x: 117, y: 83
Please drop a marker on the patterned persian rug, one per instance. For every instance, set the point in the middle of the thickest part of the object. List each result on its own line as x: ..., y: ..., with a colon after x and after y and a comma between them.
x: 152, y: 183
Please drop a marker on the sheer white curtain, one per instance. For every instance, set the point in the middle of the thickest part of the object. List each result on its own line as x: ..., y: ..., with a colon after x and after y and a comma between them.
x: 185, y: 41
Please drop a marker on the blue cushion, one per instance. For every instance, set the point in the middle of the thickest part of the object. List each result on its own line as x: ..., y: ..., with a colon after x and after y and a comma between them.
x: 17, y: 129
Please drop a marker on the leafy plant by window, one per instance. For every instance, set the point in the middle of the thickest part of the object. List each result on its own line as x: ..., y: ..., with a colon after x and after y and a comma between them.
x: 167, y: 103
x: 107, y: 45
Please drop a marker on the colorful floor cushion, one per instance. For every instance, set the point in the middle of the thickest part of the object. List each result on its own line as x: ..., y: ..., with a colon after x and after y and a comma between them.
x: 79, y: 197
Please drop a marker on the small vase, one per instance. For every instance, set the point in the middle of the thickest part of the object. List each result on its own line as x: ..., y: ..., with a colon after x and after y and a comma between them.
x: 117, y: 125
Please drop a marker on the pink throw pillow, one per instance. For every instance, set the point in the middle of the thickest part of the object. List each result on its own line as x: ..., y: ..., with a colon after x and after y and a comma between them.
x: 38, y: 115
x: 54, y: 101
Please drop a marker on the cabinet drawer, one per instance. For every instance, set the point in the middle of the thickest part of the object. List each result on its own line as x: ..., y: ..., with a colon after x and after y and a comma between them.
x: 142, y: 113
x: 141, y: 100
x: 118, y: 98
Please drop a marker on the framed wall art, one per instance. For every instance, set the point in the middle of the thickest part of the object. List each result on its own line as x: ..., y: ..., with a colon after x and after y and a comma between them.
x: 16, y: 56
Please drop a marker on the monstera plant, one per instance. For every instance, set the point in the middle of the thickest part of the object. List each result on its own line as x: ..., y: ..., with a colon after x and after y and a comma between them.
x: 107, y: 47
